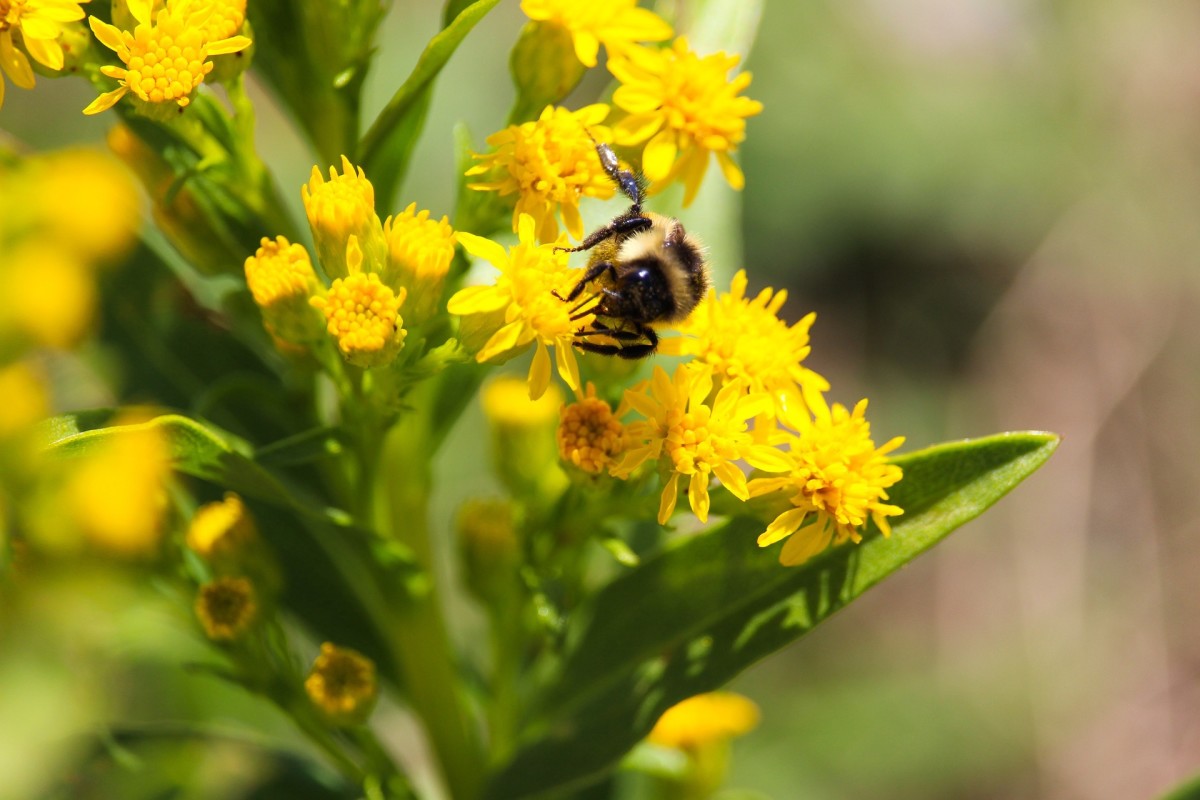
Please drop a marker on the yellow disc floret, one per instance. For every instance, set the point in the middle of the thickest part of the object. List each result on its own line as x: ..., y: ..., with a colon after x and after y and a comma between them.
x: 362, y: 314
x: 420, y: 250
x: 165, y: 58
x: 589, y: 435
x: 683, y: 107
x: 222, y: 529
x: 281, y: 279
x: 226, y: 608
x: 549, y: 164
x: 342, y: 684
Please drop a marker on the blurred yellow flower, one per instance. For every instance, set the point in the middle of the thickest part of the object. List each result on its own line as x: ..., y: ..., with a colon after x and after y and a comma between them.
x: 165, y: 55
x: 745, y: 340
x: 49, y: 295
x: 26, y: 398
x: 692, y: 438
x: 838, y: 480
x: 226, y: 608
x: 683, y: 107
x: 116, y: 495
x: 549, y: 164
x: 339, y: 208
x: 282, y: 281
x: 506, y: 404
x: 342, y: 684
x: 529, y: 274
x: 222, y: 530
x: 420, y: 250
x: 705, y: 719
x: 39, y: 23
x: 363, y: 314
x: 589, y: 434
x: 614, y: 23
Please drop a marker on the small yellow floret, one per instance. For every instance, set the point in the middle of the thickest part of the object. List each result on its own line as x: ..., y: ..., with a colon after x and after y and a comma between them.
x: 363, y: 316
x: 420, y: 250
x: 342, y: 684
x: 282, y: 280
x: 589, y: 435
x: 31, y: 29
x: 165, y: 56
x: 614, y: 23
x: 506, y: 404
x: 549, y: 164
x: 683, y: 107
x: 226, y: 608
x: 838, y: 480
x: 338, y: 208
x: 222, y: 529
x: 705, y: 719
x: 26, y: 398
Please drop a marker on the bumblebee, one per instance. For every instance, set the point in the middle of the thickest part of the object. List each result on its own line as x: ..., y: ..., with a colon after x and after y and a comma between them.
x: 644, y: 269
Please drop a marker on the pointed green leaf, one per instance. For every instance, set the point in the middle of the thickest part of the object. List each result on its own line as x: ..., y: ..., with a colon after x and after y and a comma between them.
x: 690, y: 619
x: 386, y: 147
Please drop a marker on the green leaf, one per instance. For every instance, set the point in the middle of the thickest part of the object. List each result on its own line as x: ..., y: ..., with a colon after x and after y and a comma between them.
x: 696, y: 615
x: 1188, y: 790
x: 387, y: 146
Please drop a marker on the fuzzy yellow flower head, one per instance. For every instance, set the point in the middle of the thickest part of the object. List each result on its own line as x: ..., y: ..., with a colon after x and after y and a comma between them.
x: 614, y: 23
x: 342, y: 684
x: 165, y: 56
x: 705, y: 719
x: 226, y: 608
x: 339, y: 208
x: 838, y: 480
x: 223, y: 530
x: 549, y: 164
x: 117, y: 495
x: 690, y: 437
x: 50, y: 294
x: 363, y: 314
x: 529, y: 275
x: 26, y: 398
x: 744, y: 339
x: 281, y: 281
x: 589, y: 434
x: 420, y: 250
x: 39, y: 23
x: 683, y: 107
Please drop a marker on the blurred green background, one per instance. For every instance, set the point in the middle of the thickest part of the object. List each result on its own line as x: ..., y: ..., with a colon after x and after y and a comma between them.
x: 992, y: 206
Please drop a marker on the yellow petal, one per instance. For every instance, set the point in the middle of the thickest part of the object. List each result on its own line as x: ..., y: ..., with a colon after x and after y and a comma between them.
x: 698, y: 495
x: 45, y: 51
x: 526, y: 229
x: 109, y: 35
x: 767, y: 458
x: 503, y: 340
x: 483, y: 248
x: 141, y: 10
x: 642, y: 404
x: 760, y: 486
x: 732, y: 479
x: 666, y: 505
x: 15, y: 63
x: 731, y: 171
x: 587, y: 47
x: 659, y: 155
x: 568, y: 367
x: 477, y: 300
x: 783, y: 525
x: 539, y: 372
x: 231, y: 45
x: 105, y: 101
x: 806, y: 543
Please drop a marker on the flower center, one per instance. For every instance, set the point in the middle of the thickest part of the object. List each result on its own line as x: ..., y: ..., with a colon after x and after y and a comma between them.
x: 166, y: 60
x: 589, y: 436
x: 363, y: 315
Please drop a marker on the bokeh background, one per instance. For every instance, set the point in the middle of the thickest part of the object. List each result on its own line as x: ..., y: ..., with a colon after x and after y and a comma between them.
x: 992, y: 206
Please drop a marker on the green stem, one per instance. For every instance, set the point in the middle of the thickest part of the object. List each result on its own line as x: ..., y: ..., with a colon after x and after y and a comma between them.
x: 428, y: 666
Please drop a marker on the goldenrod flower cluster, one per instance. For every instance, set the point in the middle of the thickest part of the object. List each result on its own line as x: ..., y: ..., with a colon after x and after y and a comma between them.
x: 342, y: 684
x: 367, y: 270
x: 33, y: 29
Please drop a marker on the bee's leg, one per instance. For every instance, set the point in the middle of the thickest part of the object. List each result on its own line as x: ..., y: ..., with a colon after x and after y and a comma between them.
x: 636, y: 351
x: 593, y: 272
x: 630, y: 344
x: 629, y: 222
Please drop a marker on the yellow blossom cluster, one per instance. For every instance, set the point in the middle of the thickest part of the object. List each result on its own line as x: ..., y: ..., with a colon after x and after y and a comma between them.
x: 33, y: 29
x: 367, y: 270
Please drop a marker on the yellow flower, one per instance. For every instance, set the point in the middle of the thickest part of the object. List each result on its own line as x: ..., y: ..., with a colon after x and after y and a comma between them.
x: 529, y: 274
x: 838, y: 480
x: 683, y: 107
x: 224, y: 20
x: 705, y: 719
x: 116, y: 495
x: 614, y: 23
x: 165, y: 56
x: 745, y: 340
x: 690, y: 437
x: 49, y: 294
x: 281, y: 280
x: 26, y: 398
x: 363, y: 314
x: 420, y: 250
x: 589, y: 435
x: 226, y: 607
x: 39, y: 23
x: 339, y: 208
x: 342, y: 684
x: 550, y: 164
x: 222, y: 530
